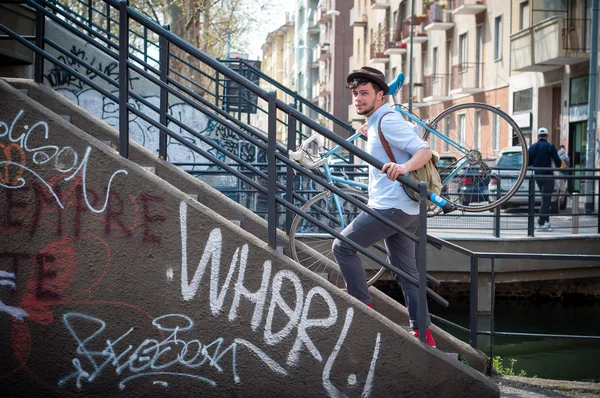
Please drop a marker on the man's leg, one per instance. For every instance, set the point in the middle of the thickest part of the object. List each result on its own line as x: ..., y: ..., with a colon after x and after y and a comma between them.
x: 546, y: 187
x: 365, y: 230
x: 402, y: 254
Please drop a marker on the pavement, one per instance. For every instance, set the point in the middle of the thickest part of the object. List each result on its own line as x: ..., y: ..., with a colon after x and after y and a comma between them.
x: 533, y: 387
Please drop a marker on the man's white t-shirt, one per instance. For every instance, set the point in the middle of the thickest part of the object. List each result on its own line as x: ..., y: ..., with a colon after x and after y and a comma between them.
x: 404, y: 142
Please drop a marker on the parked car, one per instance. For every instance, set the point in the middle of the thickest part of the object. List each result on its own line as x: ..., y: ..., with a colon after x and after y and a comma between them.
x: 468, y: 186
x: 513, y: 158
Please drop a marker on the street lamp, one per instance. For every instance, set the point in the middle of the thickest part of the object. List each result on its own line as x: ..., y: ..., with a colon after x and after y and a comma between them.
x: 336, y: 13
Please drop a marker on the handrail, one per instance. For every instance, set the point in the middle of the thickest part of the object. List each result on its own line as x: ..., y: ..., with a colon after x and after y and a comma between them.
x: 279, y: 86
x: 274, y: 104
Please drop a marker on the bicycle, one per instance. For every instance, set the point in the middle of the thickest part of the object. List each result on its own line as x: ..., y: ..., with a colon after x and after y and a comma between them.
x: 465, y: 179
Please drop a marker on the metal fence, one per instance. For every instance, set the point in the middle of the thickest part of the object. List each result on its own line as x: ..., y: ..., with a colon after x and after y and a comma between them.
x: 568, y: 213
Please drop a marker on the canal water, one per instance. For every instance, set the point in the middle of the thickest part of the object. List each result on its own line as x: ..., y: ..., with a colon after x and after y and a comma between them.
x: 548, y: 358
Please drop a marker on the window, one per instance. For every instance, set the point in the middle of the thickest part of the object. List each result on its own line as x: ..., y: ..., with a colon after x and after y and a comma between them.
x: 524, y: 15
x: 462, y: 128
x: 523, y: 100
x: 496, y: 133
x: 498, y: 38
x: 544, y: 9
x: 462, y: 51
x: 578, y: 90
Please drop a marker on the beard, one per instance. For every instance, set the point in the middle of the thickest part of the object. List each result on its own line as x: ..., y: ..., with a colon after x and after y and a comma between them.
x: 366, y: 111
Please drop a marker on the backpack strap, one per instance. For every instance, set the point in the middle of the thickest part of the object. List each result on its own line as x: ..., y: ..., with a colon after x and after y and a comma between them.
x: 384, y: 142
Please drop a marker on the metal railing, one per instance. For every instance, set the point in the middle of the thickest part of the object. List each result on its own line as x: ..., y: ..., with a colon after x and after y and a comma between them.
x: 576, y: 34
x: 418, y: 27
x: 102, y: 20
x: 436, y: 85
x: 378, y: 48
x: 439, y: 13
x: 467, y: 75
x: 277, y: 193
x: 517, y: 218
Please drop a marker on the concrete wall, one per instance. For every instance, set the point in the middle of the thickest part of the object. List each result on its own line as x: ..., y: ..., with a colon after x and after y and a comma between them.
x: 229, y: 209
x: 113, y: 282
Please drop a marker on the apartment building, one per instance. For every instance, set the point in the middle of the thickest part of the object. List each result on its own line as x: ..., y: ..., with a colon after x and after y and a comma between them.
x: 278, y: 60
x: 323, y: 44
x: 530, y: 58
x: 549, y: 84
x: 458, y: 53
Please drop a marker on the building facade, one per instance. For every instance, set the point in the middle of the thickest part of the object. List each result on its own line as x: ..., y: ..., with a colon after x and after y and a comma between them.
x: 529, y: 58
x: 278, y: 60
x: 550, y: 65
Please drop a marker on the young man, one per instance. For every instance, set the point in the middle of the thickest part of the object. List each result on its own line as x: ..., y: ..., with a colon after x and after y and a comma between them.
x: 386, y: 195
x: 541, y: 154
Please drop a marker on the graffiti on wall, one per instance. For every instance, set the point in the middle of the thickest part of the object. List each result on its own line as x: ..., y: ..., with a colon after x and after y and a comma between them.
x: 57, y: 77
x: 65, y: 161
x: 142, y: 131
x: 77, y: 225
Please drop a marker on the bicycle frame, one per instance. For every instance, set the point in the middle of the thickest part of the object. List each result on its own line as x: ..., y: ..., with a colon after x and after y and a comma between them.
x: 420, y: 122
x: 333, y: 179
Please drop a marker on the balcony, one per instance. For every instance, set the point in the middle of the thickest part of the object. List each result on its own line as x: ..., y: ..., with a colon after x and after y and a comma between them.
x: 378, y: 55
x: 321, y: 52
x: 417, y: 95
x: 467, y: 78
x: 439, y: 18
x: 549, y: 44
x: 380, y: 4
x: 468, y: 7
x: 437, y: 88
x: 321, y: 17
x: 312, y: 61
x: 419, y: 34
x: 357, y: 20
x: 393, y: 43
x: 313, y: 26
x: 319, y: 89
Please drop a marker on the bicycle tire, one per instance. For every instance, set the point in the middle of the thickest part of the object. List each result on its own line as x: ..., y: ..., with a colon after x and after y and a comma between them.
x: 485, y: 136
x: 319, y: 203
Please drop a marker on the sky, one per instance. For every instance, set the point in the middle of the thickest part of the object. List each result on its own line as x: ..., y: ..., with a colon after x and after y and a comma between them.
x: 277, y: 18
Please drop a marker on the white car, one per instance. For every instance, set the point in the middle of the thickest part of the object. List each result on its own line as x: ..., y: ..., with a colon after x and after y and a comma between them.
x: 513, y: 158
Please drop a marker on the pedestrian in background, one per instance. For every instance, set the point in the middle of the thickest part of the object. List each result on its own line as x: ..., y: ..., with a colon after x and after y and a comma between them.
x: 542, y: 154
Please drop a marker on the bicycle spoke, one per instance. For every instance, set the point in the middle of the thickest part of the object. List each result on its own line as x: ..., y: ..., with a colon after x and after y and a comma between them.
x: 323, y: 208
x: 484, y: 130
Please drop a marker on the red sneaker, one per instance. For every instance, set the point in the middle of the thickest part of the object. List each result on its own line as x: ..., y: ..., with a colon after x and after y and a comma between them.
x: 428, y: 337
x: 370, y: 305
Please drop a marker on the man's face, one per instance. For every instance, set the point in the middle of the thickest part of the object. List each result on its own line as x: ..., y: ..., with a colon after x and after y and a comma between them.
x: 366, y: 100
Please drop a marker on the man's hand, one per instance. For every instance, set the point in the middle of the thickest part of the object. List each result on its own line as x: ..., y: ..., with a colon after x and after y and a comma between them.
x: 363, y: 129
x: 393, y: 170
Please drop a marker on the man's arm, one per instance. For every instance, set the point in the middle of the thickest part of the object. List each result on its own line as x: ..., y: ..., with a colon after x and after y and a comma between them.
x: 530, y: 156
x: 418, y: 160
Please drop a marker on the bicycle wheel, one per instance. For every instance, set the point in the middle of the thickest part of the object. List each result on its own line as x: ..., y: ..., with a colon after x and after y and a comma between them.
x: 478, y: 132
x: 306, y: 237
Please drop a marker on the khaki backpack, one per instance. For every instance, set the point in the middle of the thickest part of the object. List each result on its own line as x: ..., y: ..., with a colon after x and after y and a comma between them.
x: 428, y: 173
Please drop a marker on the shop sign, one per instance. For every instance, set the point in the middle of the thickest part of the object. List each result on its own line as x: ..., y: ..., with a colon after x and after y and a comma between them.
x: 523, y: 120
x: 579, y: 113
